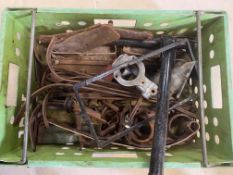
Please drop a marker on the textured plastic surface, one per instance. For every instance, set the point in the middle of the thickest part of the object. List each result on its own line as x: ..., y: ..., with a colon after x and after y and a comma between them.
x: 14, y: 37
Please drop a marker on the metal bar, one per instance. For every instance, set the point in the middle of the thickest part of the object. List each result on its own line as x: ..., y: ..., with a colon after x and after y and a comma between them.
x: 84, y: 83
x: 192, y: 55
x: 182, y: 102
x: 160, y: 131
x: 201, y: 94
x: 86, y: 117
x: 121, y: 134
x: 150, y: 44
x: 131, y: 62
x: 87, y: 82
x: 28, y: 95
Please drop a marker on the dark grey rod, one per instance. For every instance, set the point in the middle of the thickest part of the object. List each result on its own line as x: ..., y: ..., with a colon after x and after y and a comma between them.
x: 29, y: 78
x: 201, y: 94
x: 160, y: 131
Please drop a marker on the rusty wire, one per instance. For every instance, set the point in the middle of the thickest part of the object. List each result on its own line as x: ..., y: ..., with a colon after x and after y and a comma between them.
x: 119, y: 115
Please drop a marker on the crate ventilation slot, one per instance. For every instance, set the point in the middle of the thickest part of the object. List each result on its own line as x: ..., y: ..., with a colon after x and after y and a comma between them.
x: 216, y: 87
x: 117, y: 22
x: 12, y: 85
x: 114, y: 155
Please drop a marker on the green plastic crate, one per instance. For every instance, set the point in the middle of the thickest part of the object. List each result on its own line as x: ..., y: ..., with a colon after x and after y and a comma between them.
x: 14, y: 49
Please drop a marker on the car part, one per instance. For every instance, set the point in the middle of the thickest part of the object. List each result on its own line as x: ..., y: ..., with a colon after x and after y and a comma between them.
x: 134, y: 76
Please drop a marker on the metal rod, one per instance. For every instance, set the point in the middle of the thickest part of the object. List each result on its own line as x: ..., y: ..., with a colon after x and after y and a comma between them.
x: 28, y: 95
x: 84, y: 83
x: 77, y: 86
x: 182, y: 102
x: 192, y: 55
x: 151, y: 44
x: 201, y: 94
x: 160, y: 131
x: 86, y: 117
x: 121, y: 134
x: 131, y: 62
